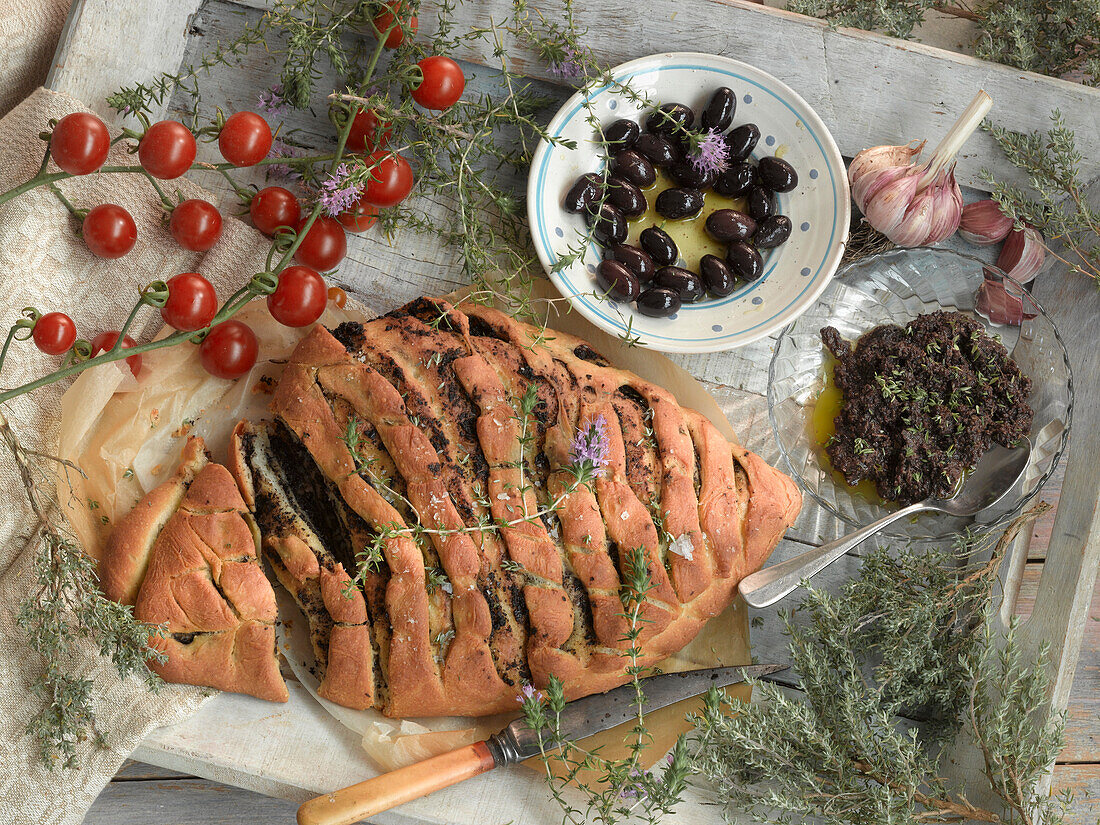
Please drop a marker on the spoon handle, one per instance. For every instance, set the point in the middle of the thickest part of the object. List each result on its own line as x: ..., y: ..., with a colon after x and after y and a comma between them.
x: 767, y: 586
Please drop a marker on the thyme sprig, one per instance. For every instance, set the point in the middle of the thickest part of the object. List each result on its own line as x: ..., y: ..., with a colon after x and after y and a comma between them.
x: 64, y: 613
x: 622, y: 789
x: 911, y: 635
x: 1054, y: 38
x: 1058, y: 204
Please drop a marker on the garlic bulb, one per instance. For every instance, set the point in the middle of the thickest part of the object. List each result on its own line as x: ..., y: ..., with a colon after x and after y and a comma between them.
x: 983, y: 223
x: 914, y: 204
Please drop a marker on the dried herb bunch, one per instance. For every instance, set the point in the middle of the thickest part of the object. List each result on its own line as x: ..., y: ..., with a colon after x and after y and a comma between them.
x: 1058, y: 204
x: 1055, y: 38
x: 63, y: 612
x: 909, y: 637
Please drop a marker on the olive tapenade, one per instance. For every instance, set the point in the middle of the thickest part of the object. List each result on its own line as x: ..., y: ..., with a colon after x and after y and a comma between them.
x: 922, y: 404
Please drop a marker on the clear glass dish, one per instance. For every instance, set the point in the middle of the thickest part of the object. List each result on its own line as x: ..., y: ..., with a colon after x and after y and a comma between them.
x: 895, y: 287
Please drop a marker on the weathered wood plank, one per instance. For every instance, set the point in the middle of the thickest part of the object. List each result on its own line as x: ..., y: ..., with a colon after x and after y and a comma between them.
x: 869, y: 89
x: 185, y: 802
x: 133, y: 771
x: 1083, y: 710
x: 1084, y: 782
x: 146, y: 39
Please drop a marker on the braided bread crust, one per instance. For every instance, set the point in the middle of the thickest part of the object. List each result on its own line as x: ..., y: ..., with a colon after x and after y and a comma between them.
x: 497, y: 569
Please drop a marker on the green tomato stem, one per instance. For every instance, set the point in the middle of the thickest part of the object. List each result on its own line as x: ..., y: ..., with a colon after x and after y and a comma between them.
x: 7, y: 344
x: 73, y: 210
x: 126, y: 327
x: 160, y: 192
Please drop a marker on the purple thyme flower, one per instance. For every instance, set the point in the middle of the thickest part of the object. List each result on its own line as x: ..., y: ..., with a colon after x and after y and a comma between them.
x: 710, y: 152
x: 635, y: 788
x: 590, y: 447
x: 565, y: 64
x: 338, y: 194
x: 528, y: 692
x: 283, y: 170
x: 272, y: 102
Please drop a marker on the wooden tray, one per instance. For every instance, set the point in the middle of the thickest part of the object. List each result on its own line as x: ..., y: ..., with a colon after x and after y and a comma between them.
x: 868, y: 89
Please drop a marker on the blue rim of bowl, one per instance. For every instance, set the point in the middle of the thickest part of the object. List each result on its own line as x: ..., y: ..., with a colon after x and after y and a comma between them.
x: 927, y: 518
x: 816, y: 283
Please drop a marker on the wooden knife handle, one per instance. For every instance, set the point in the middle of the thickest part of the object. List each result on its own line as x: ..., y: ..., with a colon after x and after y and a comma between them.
x: 368, y: 798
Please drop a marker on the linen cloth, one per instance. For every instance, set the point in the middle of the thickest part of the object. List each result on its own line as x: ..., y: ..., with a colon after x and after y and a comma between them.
x: 44, y: 264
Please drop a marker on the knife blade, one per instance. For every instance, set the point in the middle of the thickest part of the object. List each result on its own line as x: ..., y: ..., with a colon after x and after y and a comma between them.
x: 601, y: 711
x: 514, y: 743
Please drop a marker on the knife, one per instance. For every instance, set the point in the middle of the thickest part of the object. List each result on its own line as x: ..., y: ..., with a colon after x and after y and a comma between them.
x: 516, y: 742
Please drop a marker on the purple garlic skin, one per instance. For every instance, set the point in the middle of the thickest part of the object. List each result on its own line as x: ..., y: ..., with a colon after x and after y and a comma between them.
x: 1023, y: 255
x: 983, y: 223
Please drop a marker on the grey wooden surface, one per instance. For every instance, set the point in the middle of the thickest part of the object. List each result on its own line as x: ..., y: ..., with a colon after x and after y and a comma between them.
x: 386, y: 274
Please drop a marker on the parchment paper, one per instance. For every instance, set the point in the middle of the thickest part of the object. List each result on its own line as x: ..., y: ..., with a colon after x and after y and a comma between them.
x: 126, y: 435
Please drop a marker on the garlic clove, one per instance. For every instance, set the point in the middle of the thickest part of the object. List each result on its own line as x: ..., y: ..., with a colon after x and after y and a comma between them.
x: 1023, y: 254
x: 983, y: 223
x: 877, y: 158
x: 886, y: 209
x: 914, y: 225
x: 874, y: 182
x: 946, y: 209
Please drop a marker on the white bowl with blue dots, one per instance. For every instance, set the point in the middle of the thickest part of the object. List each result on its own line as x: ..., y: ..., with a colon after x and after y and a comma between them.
x: 795, y: 273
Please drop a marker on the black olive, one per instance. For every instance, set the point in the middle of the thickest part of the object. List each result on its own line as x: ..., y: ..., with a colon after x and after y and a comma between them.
x: 742, y: 140
x: 686, y: 173
x: 661, y: 248
x: 679, y: 203
x: 744, y: 260
x: 772, y: 231
x: 727, y: 225
x: 622, y: 133
x: 658, y: 302
x: 657, y: 149
x: 668, y: 118
x: 719, y: 112
x: 717, y: 276
x: 777, y: 174
x: 617, y: 281
x: 734, y: 181
x: 625, y: 196
x: 609, y: 226
x: 683, y: 282
x: 761, y: 203
x: 636, y: 260
x: 583, y: 193
x: 635, y: 168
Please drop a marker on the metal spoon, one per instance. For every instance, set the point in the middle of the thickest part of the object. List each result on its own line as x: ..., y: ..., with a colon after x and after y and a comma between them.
x: 996, y: 474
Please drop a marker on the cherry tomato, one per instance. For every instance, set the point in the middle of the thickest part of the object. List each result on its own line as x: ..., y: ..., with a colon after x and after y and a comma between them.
x: 229, y: 350
x: 338, y: 296
x: 274, y: 207
x: 245, y: 139
x: 391, y: 179
x: 192, y: 302
x: 196, y: 225
x: 167, y: 150
x: 442, y: 84
x: 383, y: 22
x: 360, y: 218
x: 54, y: 333
x: 109, y: 231
x: 368, y: 132
x: 80, y: 143
x: 324, y: 245
x: 106, y: 340
x: 300, y: 297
